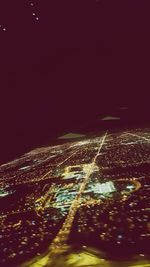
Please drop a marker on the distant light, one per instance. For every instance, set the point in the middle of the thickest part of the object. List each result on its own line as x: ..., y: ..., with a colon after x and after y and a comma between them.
x: 110, y: 118
x: 71, y: 136
x: 3, y: 194
x: 25, y: 167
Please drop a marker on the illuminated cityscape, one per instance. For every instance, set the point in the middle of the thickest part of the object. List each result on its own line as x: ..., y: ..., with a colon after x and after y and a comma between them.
x: 92, y: 193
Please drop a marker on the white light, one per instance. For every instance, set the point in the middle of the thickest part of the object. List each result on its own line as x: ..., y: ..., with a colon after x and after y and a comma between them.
x: 104, y: 188
x: 25, y: 167
x: 130, y: 187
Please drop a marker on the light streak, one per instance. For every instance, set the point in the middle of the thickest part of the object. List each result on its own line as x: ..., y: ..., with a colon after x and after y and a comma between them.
x: 136, y: 135
x: 59, y: 243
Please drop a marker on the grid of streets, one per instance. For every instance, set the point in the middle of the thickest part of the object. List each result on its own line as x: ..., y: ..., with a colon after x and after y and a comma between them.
x: 94, y: 192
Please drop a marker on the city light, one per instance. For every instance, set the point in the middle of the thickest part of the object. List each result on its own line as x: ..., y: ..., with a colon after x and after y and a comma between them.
x: 104, y: 188
x: 93, y: 192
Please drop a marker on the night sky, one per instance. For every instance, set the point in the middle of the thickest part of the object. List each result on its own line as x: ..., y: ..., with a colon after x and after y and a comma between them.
x: 62, y: 63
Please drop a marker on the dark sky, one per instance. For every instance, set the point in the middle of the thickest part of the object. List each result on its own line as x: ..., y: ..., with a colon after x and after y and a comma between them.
x: 62, y: 62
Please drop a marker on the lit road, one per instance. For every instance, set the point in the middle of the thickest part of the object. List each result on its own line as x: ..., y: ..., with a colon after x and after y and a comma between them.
x: 88, y: 258
x: 85, y: 194
x: 45, y: 198
x: 59, y: 243
x: 139, y: 136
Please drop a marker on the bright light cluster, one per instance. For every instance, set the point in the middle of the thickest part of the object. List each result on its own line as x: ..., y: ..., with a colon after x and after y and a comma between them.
x: 104, y: 188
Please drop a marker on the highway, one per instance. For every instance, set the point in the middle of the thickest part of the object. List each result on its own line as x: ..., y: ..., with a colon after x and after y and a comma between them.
x: 59, y: 243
